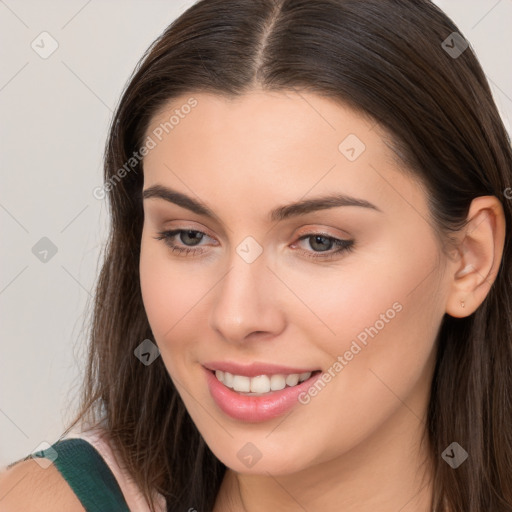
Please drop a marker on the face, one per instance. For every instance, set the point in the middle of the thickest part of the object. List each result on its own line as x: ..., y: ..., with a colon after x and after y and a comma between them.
x: 350, y: 290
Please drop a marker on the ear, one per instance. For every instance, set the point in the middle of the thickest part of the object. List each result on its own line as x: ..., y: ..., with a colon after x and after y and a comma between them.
x: 478, y: 256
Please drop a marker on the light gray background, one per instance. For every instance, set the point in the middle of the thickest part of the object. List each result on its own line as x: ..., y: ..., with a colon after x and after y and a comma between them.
x: 54, y: 116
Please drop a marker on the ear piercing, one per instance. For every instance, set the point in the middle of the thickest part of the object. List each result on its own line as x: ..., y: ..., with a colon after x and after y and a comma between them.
x: 462, y: 305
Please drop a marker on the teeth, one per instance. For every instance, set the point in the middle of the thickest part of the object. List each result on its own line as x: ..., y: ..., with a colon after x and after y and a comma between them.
x: 277, y: 382
x: 304, y: 376
x: 262, y: 383
x: 292, y: 380
x: 241, y: 383
x: 228, y: 379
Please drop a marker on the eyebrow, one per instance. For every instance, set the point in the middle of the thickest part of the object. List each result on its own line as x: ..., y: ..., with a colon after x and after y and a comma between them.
x: 278, y: 214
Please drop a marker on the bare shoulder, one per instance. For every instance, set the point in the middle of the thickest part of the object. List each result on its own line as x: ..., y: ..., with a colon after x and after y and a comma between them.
x: 27, y: 487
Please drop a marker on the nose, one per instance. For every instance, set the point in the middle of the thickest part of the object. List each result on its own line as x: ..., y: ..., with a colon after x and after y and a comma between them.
x: 246, y: 302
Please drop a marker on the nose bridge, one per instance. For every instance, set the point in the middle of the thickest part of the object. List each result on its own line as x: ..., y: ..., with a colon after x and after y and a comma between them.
x: 245, y: 298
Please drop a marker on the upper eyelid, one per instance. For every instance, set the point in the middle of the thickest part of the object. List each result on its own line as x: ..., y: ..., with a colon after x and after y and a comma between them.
x: 343, y: 234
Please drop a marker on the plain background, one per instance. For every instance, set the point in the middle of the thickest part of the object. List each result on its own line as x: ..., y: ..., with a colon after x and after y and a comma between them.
x: 54, y: 118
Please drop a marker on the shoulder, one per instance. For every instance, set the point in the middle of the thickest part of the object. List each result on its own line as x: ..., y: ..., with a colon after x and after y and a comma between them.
x: 27, y: 486
x: 102, y: 441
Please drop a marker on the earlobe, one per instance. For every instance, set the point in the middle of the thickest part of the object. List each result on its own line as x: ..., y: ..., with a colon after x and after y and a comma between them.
x: 480, y: 253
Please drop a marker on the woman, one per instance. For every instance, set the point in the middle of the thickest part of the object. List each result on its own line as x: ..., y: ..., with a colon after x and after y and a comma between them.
x: 306, y: 293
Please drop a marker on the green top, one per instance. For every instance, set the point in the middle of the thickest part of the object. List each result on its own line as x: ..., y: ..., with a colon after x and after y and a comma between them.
x: 87, y: 474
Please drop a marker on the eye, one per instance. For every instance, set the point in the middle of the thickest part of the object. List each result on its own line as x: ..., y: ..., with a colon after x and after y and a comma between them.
x: 321, y: 240
x: 191, y: 238
x: 186, y: 235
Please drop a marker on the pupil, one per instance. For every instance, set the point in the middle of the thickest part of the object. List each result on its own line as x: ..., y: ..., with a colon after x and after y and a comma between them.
x: 320, y: 238
x: 196, y: 237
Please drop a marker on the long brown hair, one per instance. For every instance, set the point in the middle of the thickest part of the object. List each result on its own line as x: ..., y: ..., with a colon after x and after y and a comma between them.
x: 387, y: 59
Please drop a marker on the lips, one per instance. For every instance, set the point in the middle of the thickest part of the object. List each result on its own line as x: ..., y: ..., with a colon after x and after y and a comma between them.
x: 253, y: 409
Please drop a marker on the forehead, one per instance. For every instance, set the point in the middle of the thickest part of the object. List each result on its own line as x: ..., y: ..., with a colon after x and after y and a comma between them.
x: 275, y: 118
x: 272, y: 145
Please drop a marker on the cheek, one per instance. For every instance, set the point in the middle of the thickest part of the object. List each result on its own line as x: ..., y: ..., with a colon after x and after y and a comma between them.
x: 381, y: 315
x: 400, y: 269
x: 159, y: 283
x: 172, y: 298
x: 157, y: 288
x: 384, y: 325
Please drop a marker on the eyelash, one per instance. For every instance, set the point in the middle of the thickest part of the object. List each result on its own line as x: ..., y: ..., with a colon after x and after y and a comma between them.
x: 343, y: 245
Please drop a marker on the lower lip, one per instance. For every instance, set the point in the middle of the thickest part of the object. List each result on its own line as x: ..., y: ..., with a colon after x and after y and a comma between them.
x: 256, y: 408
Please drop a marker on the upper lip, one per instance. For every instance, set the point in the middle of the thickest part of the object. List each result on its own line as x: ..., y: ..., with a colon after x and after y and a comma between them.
x: 254, y: 369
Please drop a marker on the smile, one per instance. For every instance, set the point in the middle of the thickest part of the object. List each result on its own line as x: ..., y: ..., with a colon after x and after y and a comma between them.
x: 261, y: 384
x: 257, y: 397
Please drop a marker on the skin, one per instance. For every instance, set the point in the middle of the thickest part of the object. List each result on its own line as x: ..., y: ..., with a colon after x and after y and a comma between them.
x: 243, y: 157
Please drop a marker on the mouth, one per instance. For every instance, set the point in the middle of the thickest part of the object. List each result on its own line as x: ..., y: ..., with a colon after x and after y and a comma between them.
x: 261, y: 385
x: 257, y: 397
